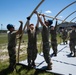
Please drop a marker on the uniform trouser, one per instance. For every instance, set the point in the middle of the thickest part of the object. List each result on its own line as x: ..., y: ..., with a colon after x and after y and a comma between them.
x: 64, y: 40
x: 12, y: 56
x: 46, y: 49
x: 54, y: 46
x: 31, y: 54
x: 72, y: 44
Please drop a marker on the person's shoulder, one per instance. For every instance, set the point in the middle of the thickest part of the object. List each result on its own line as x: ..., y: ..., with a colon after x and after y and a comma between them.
x: 13, y: 32
x: 8, y: 32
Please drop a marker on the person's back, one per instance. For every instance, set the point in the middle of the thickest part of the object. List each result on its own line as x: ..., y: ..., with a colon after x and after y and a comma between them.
x: 12, y: 39
x: 72, y: 35
x: 45, y: 34
x: 53, y: 33
x: 64, y: 36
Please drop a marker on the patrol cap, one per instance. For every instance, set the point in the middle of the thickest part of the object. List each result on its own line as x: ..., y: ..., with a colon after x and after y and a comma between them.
x: 9, y: 26
x: 50, y: 22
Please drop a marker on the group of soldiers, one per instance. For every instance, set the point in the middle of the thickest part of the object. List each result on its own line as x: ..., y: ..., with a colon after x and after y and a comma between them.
x: 72, y: 40
x: 64, y: 35
x: 32, y: 31
x: 71, y: 36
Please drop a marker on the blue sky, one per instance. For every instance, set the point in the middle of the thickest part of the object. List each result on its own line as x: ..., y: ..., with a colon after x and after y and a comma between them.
x: 11, y: 11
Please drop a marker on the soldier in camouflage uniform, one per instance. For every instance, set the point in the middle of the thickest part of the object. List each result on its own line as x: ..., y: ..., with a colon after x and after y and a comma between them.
x: 12, y: 45
x: 32, y: 43
x: 45, y: 40
x: 64, y: 36
x: 54, y: 38
x: 72, y: 39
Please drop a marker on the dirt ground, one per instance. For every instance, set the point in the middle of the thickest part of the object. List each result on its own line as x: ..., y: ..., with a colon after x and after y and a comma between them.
x: 4, y: 52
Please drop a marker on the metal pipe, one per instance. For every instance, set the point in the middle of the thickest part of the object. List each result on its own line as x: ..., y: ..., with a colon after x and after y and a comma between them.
x: 69, y: 15
x: 52, y: 17
x: 73, y: 19
x: 64, y: 8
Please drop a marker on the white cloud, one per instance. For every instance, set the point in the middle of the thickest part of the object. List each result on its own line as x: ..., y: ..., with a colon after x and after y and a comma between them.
x: 60, y: 16
x: 48, y: 12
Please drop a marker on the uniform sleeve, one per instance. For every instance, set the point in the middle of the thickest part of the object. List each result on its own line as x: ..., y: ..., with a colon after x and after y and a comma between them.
x: 37, y: 29
x: 28, y: 30
x: 56, y: 25
x: 13, y: 34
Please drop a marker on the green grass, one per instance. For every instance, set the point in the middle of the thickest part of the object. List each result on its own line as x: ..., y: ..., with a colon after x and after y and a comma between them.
x: 3, y: 38
x: 20, y: 69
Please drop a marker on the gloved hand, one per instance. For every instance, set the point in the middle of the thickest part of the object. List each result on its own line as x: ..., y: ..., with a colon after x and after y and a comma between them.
x: 28, y: 18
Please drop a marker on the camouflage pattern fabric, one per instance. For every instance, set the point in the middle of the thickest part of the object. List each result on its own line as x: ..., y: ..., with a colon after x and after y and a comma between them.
x: 54, y: 40
x: 11, y: 48
x: 64, y: 36
x: 72, y: 42
x: 12, y: 56
x: 46, y: 47
x: 32, y: 45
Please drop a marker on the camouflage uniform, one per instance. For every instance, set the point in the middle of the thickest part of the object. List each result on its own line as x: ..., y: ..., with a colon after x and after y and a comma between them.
x: 54, y: 41
x: 64, y: 36
x: 32, y: 45
x: 72, y: 42
x: 11, y: 48
x: 46, y: 47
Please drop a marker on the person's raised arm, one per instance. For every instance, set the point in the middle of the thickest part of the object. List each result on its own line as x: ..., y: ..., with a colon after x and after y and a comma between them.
x: 40, y: 20
x: 56, y: 24
x: 28, y: 22
x: 44, y: 18
x: 37, y: 24
x: 20, y: 28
